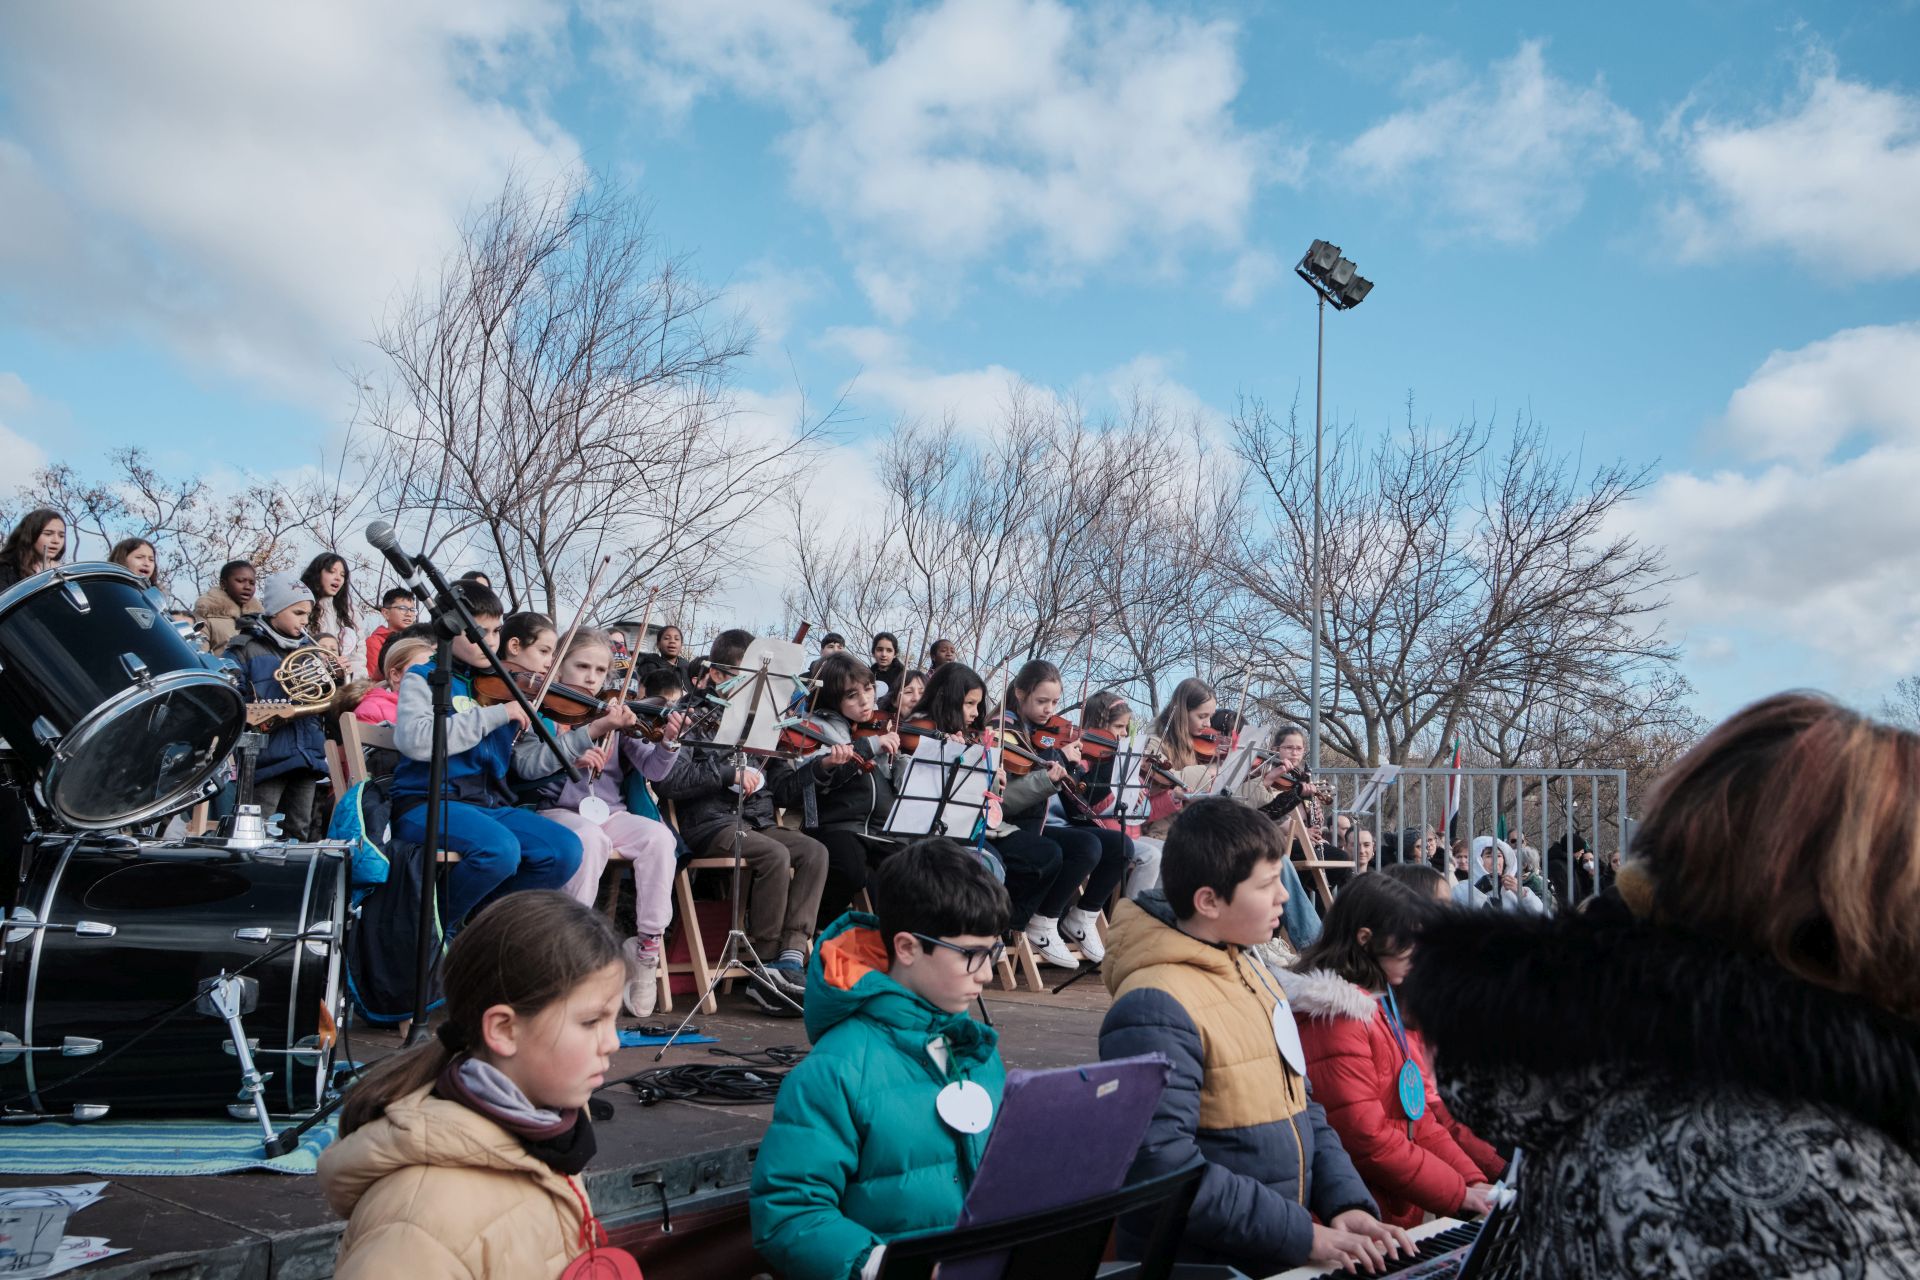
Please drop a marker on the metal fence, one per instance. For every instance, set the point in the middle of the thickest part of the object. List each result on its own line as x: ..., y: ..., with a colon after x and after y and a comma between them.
x: 1538, y: 807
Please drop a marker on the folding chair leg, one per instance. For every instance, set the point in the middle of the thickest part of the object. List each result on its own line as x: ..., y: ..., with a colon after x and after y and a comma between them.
x: 696, y: 945
x: 1029, y: 964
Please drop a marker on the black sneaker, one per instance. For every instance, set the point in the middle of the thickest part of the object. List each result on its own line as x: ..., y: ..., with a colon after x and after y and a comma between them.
x: 772, y: 1006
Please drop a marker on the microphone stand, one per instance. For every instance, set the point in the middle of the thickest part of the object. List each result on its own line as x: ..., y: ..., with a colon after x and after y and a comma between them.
x: 450, y: 618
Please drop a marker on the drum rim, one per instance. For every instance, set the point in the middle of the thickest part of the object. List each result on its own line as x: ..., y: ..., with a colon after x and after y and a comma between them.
x: 100, y: 717
x: 20, y: 591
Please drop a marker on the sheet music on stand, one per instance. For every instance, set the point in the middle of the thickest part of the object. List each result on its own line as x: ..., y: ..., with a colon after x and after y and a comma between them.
x: 1131, y: 803
x: 1374, y: 788
x: 1238, y: 766
x: 944, y: 790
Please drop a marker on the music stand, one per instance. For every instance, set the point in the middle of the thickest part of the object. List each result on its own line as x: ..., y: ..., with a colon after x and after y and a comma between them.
x: 1132, y: 803
x: 752, y: 717
x: 941, y: 778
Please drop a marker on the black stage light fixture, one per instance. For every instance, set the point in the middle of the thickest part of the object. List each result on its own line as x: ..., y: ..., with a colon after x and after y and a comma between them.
x: 1342, y: 273
x: 1321, y: 257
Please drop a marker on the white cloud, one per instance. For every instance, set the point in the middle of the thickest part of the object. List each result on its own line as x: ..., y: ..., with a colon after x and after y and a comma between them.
x: 769, y: 295
x: 22, y: 455
x: 251, y: 184
x: 1250, y: 276
x: 1826, y: 545
x: 1832, y: 178
x: 1507, y: 154
x: 977, y: 125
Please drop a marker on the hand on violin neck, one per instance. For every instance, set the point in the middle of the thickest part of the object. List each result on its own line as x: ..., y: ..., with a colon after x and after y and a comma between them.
x: 619, y: 716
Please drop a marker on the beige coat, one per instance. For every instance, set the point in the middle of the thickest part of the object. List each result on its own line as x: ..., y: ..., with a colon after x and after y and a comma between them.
x: 221, y: 612
x: 434, y: 1190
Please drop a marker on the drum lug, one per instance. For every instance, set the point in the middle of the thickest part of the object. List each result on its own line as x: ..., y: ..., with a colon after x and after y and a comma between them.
x: 253, y: 1046
x: 70, y: 1047
x: 23, y: 924
x: 44, y: 733
x: 320, y: 932
x: 136, y: 669
x: 77, y: 597
x: 90, y: 1110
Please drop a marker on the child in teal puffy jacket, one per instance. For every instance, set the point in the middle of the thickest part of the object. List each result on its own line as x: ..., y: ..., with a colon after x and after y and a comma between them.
x: 877, y: 1133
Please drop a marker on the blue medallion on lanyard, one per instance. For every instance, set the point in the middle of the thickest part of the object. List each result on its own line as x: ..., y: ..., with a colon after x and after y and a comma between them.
x: 1412, y: 1085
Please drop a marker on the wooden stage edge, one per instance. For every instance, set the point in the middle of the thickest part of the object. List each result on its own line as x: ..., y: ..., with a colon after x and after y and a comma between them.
x: 696, y: 1158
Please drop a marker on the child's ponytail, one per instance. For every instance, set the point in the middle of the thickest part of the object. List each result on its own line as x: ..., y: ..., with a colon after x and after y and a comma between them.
x: 527, y: 950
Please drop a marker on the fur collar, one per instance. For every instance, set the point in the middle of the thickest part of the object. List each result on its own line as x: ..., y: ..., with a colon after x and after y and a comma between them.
x: 1556, y: 995
x: 1324, y: 995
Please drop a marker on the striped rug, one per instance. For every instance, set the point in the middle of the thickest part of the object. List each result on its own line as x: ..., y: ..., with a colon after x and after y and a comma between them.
x: 153, y: 1147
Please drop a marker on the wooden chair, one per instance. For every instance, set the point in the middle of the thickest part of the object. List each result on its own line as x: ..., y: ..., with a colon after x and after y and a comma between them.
x: 683, y: 905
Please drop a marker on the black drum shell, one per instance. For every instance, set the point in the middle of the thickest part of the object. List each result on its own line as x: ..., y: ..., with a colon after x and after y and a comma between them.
x: 103, y: 701
x: 175, y: 910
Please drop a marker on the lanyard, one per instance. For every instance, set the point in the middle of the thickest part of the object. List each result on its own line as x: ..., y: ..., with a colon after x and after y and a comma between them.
x: 1409, y: 1084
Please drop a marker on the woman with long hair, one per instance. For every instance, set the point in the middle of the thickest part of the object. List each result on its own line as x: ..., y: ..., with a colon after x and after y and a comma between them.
x: 1714, y: 1070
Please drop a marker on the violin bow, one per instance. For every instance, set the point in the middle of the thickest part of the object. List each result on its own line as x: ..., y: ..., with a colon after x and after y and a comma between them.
x: 593, y: 586
x: 626, y: 686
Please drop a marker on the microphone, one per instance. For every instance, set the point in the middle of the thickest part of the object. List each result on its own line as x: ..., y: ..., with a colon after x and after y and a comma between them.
x: 383, y: 539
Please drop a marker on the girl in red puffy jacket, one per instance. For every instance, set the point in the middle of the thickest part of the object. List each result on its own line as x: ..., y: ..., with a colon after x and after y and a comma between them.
x: 1362, y: 1062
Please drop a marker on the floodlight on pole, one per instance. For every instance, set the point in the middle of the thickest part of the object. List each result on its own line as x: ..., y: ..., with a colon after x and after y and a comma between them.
x: 1334, y: 279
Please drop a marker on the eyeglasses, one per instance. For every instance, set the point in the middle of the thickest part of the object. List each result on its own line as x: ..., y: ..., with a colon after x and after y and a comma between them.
x: 975, y: 956
x: 404, y: 606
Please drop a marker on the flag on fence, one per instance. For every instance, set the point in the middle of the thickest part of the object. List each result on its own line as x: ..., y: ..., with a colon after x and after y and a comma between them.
x: 1453, y: 789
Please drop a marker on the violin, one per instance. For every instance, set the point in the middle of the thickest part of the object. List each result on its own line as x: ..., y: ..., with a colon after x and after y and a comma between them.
x: 563, y: 704
x: 916, y: 727
x: 652, y: 712
x: 1207, y: 745
x: 877, y: 724
x: 809, y: 738
x: 1098, y: 744
x: 1050, y: 734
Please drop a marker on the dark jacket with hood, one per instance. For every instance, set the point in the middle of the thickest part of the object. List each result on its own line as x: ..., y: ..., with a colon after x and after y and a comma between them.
x: 700, y: 788
x: 1273, y: 1162
x: 857, y: 1153
x: 842, y: 798
x: 298, y: 745
x: 1687, y: 1109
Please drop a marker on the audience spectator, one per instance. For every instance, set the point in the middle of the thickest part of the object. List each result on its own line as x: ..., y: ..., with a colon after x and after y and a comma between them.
x: 332, y: 586
x: 35, y: 545
x: 294, y: 759
x: 1589, y: 877
x: 1357, y: 847
x: 888, y: 669
x: 136, y: 556
x: 1530, y: 877
x: 398, y: 611
x: 222, y: 606
x: 1714, y: 1070
x: 1497, y: 880
x: 668, y: 652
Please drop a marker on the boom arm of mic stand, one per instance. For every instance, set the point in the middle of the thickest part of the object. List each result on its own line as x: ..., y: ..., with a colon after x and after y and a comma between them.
x: 447, y: 603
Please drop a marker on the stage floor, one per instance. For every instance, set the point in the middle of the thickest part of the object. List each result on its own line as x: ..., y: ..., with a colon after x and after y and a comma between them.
x: 271, y: 1226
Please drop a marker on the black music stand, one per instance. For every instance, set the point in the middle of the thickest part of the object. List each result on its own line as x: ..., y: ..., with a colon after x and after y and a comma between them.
x: 944, y: 792
x: 1061, y: 1244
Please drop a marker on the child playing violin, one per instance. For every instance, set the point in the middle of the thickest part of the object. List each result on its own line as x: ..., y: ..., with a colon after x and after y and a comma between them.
x: 1090, y: 855
x: 844, y: 788
x: 1108, y: 715
x: 595, y: 809
x: 527, y: 642
x: 900, y: 703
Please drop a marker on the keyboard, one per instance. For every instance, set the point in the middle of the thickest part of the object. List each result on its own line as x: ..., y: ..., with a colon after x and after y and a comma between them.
x: 1443, y: 1247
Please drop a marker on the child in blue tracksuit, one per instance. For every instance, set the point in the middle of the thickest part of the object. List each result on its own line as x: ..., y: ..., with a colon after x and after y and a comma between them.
x: 290, y: 766
x: 502, y: 848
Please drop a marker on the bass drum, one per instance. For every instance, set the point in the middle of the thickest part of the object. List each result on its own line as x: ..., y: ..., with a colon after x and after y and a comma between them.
x: 117, y: 715
x: 112, y: 934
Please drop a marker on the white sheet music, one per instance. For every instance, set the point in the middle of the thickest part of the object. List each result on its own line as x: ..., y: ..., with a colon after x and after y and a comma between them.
x: 944, y: 782
x: 1131, y: 803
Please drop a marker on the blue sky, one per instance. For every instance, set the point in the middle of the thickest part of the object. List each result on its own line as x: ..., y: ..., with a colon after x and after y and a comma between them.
x: 1683, y: 234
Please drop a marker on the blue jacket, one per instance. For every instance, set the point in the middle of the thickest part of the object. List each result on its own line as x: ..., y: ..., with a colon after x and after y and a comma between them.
x: 1273, y: 1162
x: 297, y: 745
x: 480, y: 743
x: 857, y: 1154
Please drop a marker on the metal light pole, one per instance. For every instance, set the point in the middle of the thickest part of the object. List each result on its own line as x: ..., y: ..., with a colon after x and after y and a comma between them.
x: 1332, y: 279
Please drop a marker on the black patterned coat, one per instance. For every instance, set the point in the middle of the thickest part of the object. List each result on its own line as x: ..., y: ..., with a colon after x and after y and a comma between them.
x: 1687, y: 1110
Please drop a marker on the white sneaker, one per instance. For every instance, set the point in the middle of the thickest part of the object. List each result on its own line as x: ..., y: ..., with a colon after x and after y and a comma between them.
x: 1082, y: 929
x: 643, y: 979
x: 1043, y: 935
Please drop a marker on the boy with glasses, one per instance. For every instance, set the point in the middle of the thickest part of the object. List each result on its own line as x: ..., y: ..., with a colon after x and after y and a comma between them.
x: 398, y: 611
x: 878, y: 1131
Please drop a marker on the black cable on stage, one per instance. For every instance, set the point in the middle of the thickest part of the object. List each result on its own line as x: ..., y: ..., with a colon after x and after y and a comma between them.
x: 718, y: 1084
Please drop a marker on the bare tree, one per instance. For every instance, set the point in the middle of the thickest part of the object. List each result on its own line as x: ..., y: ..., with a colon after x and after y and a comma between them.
x: 560, y: 395
x: 1463, y: 581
